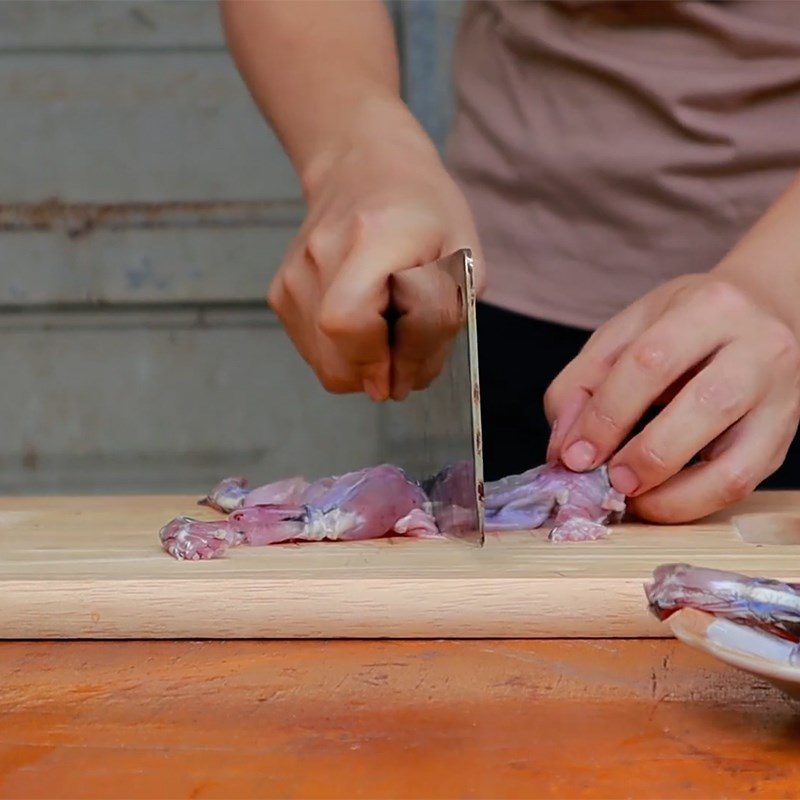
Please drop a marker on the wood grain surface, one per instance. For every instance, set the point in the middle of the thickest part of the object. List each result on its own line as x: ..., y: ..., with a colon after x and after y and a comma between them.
x: 93, y: 567
x: 469, y: 719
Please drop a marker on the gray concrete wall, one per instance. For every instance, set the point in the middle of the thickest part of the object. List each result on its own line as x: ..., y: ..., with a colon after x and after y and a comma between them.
x: 144, y: 206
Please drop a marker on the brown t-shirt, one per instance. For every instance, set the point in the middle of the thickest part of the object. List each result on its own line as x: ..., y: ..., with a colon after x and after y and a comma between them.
x: 606, y: 147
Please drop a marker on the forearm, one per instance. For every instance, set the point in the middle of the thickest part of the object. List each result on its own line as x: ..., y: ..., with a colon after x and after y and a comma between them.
x: 325, y: 74
x: 766, y: 261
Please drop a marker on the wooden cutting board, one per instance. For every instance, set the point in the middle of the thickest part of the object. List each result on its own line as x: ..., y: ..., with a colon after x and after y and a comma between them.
x: 93, y: 568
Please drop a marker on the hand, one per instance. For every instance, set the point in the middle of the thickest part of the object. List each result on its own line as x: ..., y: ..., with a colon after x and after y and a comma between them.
x: 725, y: 367
x: 381, y: 206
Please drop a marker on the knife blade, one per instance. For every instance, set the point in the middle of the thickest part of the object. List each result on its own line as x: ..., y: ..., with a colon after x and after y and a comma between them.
x: 435, y: 433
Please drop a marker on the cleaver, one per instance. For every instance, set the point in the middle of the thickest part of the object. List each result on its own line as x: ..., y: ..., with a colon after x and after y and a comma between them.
x: 434, y: 435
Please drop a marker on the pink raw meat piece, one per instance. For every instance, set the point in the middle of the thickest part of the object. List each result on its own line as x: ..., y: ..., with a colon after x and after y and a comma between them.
x: 366, y: 504
x: 269, y: 524
x: 765, y: 603
x: 227, y: 495
x: 576, y: 504
x: 417, y: 523
x: 288, y: 491
x: 232, y: 493
x: 189, y: 539
x: 378, y: 501
x: 578, y: 530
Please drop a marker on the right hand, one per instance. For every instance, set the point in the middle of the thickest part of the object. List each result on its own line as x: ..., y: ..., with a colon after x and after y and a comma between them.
x: 380, y: 205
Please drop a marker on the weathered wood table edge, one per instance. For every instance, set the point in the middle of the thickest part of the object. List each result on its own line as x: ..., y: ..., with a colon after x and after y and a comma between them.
x: 92, y: 567
x: 388, y: 719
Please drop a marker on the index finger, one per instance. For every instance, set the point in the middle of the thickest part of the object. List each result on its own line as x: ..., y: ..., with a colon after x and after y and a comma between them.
x: 678, y: 341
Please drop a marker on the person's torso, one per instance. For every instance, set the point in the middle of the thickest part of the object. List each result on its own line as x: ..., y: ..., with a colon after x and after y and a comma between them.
x: 608, y: 146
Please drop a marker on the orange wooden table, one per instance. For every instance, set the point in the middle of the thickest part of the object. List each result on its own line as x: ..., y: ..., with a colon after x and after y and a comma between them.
x: 466, y: 719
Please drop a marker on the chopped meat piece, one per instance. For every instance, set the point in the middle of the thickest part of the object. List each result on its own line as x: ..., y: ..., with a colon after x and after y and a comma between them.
x: 366, y: 504
x: 378, y: 501
x: 570, y: 501
x: 227, y: 495
x: 232, y: 493
x: 189, y: 539
x: 762, y: 603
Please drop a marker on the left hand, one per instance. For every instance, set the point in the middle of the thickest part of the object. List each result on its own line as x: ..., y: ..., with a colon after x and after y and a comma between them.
x: 725, y: 367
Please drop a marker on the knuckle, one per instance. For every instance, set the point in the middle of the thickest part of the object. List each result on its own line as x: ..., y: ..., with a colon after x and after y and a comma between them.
x: 335, y: 384
x: 288, y: 283
x: 736, y: 483
x: 651, y: 357
x: 320, y: 247
x: 276, y: 295
x: 777, y: 461
x: 782, y: 343
x: 596, y: 364
x: 368, y: 220
x: 598, y: 354
x: 723, y: 395
x: 682, y: 287
x: 722, y: 295
x: 335, y: 323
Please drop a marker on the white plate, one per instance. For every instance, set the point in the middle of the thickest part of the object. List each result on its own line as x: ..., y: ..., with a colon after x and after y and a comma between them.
x: 748, y: 649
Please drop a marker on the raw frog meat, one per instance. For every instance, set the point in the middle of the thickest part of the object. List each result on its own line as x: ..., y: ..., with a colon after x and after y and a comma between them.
x: 232, y: 493
x: 755, y: 622
x: 380, y: 501
x: 762, y: 603
x: 578, y: 505
x: 366, y: 504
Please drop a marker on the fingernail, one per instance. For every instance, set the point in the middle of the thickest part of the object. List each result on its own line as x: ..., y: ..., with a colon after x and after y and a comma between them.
x: 580, y: 455
x: 371, y: 388
x: 401, y: 392
x: 623, y: 479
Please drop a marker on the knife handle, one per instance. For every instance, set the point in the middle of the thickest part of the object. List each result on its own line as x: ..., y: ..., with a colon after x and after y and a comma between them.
x: 391, y: 315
